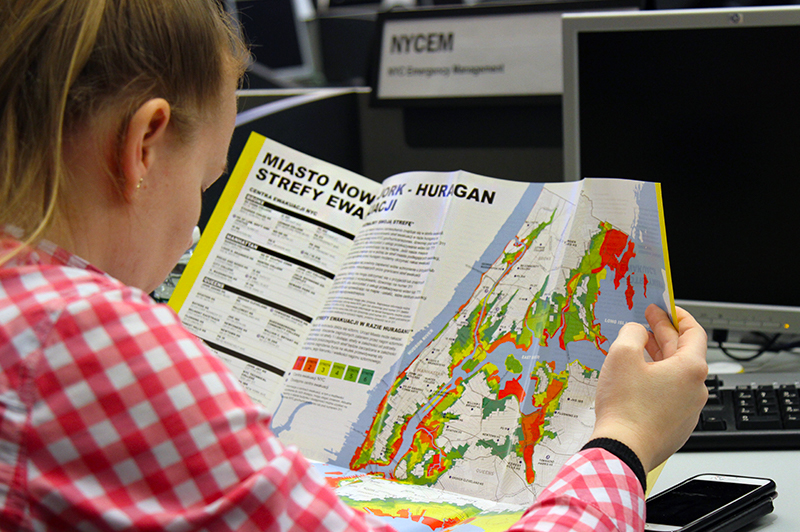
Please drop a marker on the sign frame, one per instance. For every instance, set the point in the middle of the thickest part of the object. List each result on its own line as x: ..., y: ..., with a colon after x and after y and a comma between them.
x: 473, y: 90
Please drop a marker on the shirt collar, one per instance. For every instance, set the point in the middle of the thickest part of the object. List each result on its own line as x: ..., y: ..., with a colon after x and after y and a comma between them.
x: 43, y: 253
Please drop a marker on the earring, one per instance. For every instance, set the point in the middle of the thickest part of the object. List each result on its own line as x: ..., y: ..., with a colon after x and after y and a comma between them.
x: 139, y: 184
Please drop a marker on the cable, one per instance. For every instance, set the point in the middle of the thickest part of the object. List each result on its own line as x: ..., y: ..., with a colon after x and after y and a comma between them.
x: 774, y: 347
x: 720, y: 335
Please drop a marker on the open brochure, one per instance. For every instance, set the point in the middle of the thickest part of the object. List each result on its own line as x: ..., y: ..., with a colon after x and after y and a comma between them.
x: 441, y: 329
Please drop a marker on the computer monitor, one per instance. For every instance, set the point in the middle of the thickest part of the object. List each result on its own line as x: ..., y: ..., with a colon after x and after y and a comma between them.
x: 278, y: 38
x: 707, y: 102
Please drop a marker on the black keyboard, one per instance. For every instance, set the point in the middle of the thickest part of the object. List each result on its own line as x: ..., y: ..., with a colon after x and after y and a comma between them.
x: 749, y: 412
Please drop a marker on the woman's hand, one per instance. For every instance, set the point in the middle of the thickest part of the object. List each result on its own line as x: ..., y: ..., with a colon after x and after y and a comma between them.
x: 652, y: 407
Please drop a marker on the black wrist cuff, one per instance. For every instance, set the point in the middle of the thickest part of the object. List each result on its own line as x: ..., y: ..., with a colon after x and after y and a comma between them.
x: 624, y: 453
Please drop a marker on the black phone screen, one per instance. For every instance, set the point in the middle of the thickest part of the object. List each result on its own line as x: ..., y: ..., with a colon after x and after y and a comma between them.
x: 693, y: 500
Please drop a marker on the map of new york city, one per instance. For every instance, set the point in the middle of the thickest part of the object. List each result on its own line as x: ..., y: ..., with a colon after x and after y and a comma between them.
x: 497, y: 401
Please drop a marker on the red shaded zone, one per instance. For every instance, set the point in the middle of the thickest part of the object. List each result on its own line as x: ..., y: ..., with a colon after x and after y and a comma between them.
x: 629, y: 293
x: 613, y: 246
x: 435, y: 466
x: 512, y: 387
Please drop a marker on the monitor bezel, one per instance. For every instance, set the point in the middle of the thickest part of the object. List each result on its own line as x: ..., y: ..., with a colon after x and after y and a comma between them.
x: 282, y: 75
x: 713, y: 315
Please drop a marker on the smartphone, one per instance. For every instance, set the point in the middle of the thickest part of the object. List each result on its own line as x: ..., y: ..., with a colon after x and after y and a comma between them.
x: 709, y: 502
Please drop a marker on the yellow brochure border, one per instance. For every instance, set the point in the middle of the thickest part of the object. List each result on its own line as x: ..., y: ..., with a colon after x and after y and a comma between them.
x: 217, y: 221
x: 666, y: 254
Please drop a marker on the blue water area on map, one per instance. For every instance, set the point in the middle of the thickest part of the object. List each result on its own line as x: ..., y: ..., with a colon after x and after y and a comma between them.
x: 461, y: 295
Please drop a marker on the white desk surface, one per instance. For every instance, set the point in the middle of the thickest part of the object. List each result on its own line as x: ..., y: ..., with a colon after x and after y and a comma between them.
x: 781, y: 466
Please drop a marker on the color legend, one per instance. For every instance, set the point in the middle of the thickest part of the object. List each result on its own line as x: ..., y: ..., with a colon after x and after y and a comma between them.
x: 334, y: 370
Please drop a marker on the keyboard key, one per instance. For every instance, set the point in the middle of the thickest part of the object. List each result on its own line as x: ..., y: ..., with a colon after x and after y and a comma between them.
x: 745, y: 395
x: 769, y: 410
x: 758, y: 422
x: 744, y: 403
x: 714, y: 398
x: 747, y: 411
x: 713, y: 422
x: 791, y: 421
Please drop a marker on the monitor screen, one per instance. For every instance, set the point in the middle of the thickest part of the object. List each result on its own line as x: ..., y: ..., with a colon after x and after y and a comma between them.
x: 706, y: 102
x: 277, y: 36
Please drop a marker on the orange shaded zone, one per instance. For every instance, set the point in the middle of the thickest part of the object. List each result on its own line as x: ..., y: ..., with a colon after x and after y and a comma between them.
x: 532, y: 433
x: 333, y: 482
x: 532, y: 426
x: 334, y: 479
x: 612, y: 247
x: 512, y: 387
x: 644, y: 283
x: 405, y: 513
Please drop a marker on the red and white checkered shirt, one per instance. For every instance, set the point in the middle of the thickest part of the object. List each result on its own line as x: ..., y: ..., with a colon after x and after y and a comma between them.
x: 114, y: 417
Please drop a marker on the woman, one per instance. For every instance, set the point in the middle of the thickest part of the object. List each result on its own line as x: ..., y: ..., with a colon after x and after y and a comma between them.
x: 115, y: 116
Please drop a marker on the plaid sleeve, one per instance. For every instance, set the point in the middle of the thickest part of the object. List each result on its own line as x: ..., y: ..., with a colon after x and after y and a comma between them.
x: 135, y: 425
x: 594, y: 491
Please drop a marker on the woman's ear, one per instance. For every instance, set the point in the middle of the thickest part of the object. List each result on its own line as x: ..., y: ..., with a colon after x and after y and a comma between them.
x: 142, y: 144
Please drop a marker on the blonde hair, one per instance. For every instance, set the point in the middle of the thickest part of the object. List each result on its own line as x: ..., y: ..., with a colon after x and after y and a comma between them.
x: 63, y: 61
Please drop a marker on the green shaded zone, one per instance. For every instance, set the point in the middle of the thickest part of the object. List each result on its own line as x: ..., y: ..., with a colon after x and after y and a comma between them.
x: 588, y: 274
x: 338, y: 370
x: 589, y: 373
x: 535, y: 321
x: 491, y: 326
x: 463, y: 345
x: 492, y: 376
x: 493, y: 405
x: 352, y: 373
x: 562, y: 311
x: 519, y: 435
x: 513, y: 365
x: 501, y: 450
x: 510, y: 258
x: 474, y: 361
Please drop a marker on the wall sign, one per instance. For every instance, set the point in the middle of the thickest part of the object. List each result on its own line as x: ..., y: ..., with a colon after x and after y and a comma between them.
x: 474, y: 52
